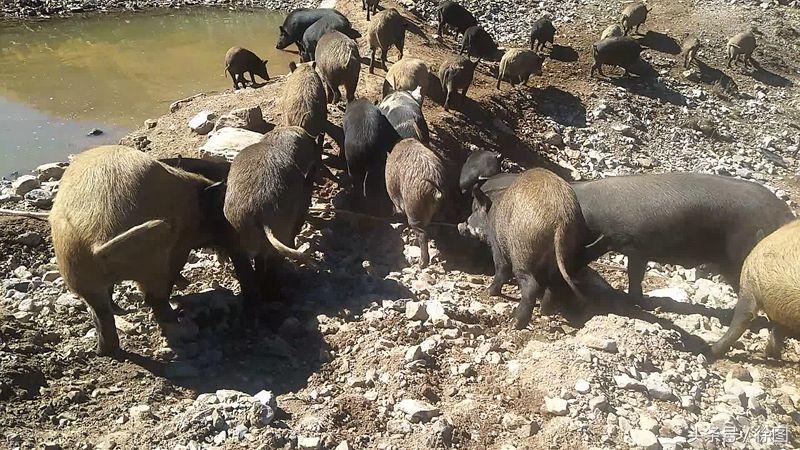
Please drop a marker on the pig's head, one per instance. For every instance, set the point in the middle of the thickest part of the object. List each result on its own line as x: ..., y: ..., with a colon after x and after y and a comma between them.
x: 261, y: 70
x: 478, y: 222
x: 284, y: 39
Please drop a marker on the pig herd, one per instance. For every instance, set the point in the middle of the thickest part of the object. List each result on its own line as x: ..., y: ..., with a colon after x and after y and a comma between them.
x: 123, y: 215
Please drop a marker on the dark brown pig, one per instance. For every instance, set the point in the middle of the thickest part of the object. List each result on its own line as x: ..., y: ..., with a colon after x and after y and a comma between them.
x: 387, y: 30
x: 456, y: 74
x: 240, y: 60
x: 339, y: 64
x: 542, y: 32
x: 454, y: 16
x: 268, y: 195
x: 479, y: 43
x: 415, y: 181
x: 304, y: 103
x: 616, y: 51
x: 535, y: 231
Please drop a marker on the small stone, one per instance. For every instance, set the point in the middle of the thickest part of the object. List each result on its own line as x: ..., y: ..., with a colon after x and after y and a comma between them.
x: 648, y: 423
x: 94, y: 132
x: 150, y: 123
x: 344, y: 445
x: 251, y: 119
x: 267, y: 398
x: 599, y: 403
x: 40, y: 198
x: 582, y: 386
x: 24, y: 184
x: 584, y: 354
x: 555, y: 406
x: 203, y: 122
x: 309, y: 442
x: 30, y: 238
x: 414, y: 353
x: 50, y: 171
x: 51, y: 276
x: 740, y: 373
x: 645, y: 439
x: 675, y: 293
x: 416, y: 311
x: 140, y: 413
x: 553, y: 138
x: 220, y: 437
x: 626, y: 382
x: 51, y: 446
x: 417, y: 411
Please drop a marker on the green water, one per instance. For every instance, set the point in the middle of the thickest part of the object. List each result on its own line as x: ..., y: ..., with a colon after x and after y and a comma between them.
x: 59, y: 79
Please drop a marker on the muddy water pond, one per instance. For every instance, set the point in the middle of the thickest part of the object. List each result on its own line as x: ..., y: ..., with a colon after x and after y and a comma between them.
x: 61, y: 79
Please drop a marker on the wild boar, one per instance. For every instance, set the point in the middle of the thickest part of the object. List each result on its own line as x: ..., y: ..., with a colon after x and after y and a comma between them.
x: 296, y: 24
x: 740, y: 47
x: 456, y: 73
x: 542, y: 32
x: 303, y: 102
x: 368, y: 138
x: 387, y: 30
x: 769, y: 283
x: 407, y: 75
x: 689, y: 48
x: 370, y: 6
x: 455, y: 16
x: 479, y: 43
x: 403, y: 109
x: 614, y: 30
x: 517, y: 66
x: 616, y: 51
x: 319, y: 28
x: 268, y: 195
x: 111, y: 221
x: 535, y: 231
x: 718, y: 219
x: 480, y: 165
x: 240, y: 60
x: 415, y: 181
x: 633, y: 16
x: 339, y: 64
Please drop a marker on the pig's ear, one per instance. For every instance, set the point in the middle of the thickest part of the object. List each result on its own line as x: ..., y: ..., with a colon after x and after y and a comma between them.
x: 483, y: 200
x: 265, y: 62
x: 314, y: 64
x: 292, y: 66
x: 283, y: 31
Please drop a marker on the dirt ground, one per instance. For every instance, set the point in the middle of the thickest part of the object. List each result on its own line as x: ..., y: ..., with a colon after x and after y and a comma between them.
x: 333, y: 348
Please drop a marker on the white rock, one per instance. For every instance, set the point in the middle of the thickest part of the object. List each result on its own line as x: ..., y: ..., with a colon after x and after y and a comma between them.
x: 50, y: 171
x: 203, y: 122
x: 675, y: 293
x: 626, y: 382
x: 308, y: 442
x: 414, y: 353
x: 582, y: 386
x: 51, y: 276
x: 246, y: 118
x: 416, y: 311
x: 436, y: 310
x: 645, y: 439
x: 267, y: 398
x: 599, y: 403
x: 226, y: 143
x: 648, y: 423
x: 344, y: 445
x: 140, y: 413
x: 24, y: 184
x: 555, y: 406
x: 417, y: 411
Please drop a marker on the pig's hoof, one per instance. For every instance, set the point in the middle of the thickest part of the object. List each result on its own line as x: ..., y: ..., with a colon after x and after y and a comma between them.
x: 494, y: 291
x: 521, y: 324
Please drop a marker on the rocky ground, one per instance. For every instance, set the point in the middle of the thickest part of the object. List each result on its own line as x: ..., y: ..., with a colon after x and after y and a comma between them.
x: 369, y: 351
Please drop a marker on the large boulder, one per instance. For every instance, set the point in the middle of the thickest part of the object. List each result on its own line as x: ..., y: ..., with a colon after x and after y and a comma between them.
x: 226, y: 143
x: 245, y: 118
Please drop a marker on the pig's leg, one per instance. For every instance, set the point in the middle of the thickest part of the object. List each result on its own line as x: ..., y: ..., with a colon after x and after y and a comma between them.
x: 252, y: 78
x: 247, y: 278
x: 384, y: 51
x: 439, y: 31
x: 530, y: 290
x: 372, y: 62
x: 103, y: 318
x: 422, y: 242
x: 777, y: 336
x: 502, y: 272
x: 350, y: 90
x: 744, y: 313
x: 636, y: 268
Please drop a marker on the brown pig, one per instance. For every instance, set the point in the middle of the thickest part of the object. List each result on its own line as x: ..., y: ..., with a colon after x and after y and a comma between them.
x: 415, y: 182
x: 240, y: 60
x: 387, y: 30
x: 407, y: 75
x: 339, y: 64
x: 304, y: 103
